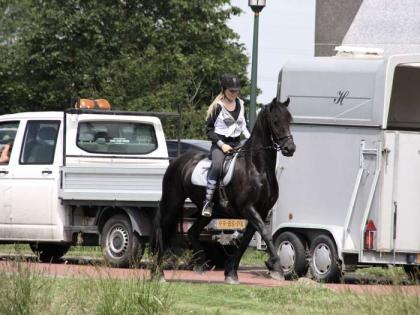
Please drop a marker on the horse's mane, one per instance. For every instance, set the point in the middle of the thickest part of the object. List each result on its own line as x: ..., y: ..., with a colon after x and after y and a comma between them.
x: 262, y: 118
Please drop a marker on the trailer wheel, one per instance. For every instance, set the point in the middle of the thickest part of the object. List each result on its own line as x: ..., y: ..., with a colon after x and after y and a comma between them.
x: 291, y: 251
x: 49, y: 252
x: 121, y: 247
x: 324, y: 262
x: 413, y: 272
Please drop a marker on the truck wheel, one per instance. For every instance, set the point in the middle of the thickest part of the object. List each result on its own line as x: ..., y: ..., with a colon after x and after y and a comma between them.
x: 120, y: 245
x: 324, y: 261
x: 292, y: 255
x: 413, y: 272
x: 49, y: 252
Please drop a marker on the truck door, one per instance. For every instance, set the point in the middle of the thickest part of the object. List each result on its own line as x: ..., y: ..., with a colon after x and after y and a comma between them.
x: 8, y: 132
x: 35, y: 182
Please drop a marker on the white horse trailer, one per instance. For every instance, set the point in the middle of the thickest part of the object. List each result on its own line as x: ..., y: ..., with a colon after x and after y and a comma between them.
x: 350, y: 195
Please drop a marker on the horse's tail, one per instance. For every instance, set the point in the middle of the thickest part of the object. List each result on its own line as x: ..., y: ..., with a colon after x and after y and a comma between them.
x: 165, y: 219
x: 170, y: 211
x: 156, y: 244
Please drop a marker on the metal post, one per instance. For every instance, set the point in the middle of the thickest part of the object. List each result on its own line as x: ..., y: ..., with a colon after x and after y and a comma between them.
x: 179, y: 130
x: 252, y: 110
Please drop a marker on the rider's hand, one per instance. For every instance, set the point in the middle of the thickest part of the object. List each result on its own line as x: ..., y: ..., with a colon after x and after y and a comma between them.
x: 226, y: 148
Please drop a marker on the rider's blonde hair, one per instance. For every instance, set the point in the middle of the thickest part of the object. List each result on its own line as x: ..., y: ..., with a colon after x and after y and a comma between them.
x: 213, y: 105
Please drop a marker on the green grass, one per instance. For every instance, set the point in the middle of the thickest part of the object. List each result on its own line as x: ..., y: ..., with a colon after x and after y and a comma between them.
x: 389, y: 272
x: 25, y: 291
x: 251, y: 257
x: 293, y: 299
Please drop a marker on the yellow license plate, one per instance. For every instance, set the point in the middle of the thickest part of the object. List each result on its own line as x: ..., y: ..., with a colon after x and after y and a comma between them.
x: 231, y: 224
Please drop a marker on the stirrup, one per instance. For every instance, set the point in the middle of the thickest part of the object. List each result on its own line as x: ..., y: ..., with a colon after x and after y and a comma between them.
x: 207, y: 209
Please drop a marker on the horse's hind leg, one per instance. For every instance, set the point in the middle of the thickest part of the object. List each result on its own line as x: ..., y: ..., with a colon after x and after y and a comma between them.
x: 273, y: 263
x: 232, y: 263
x: 194, y: 237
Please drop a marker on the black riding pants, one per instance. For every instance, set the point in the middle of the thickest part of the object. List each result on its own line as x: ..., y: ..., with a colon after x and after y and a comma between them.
x: 217, y: 156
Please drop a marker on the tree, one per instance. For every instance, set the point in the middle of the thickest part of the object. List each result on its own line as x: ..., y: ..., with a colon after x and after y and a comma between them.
x: 141, y: 55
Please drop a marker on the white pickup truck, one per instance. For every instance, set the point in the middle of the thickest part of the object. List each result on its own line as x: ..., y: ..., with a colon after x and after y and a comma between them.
x: 98, y: 187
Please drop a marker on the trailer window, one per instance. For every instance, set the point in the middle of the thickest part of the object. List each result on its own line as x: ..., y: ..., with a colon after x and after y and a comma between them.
x: 404, y: 109
x: 116, y: 137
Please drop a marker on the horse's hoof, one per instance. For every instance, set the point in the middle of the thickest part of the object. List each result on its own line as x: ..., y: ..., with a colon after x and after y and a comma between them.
x: 276, y: 275
x: 231, y: 280
x: 162, y: 279
x: 198, y: 269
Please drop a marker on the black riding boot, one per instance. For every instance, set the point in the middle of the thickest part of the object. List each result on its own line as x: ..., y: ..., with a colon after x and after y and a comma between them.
x: 208, y: 204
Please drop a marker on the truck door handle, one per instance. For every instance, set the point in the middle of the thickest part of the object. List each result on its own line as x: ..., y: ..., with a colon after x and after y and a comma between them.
x: 4, y: 172
x: 46, y: 172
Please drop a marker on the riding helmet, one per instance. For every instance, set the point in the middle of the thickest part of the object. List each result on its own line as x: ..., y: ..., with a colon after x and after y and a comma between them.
x: 231, y: 82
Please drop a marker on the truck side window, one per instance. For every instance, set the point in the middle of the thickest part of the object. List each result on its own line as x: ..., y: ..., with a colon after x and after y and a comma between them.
x: 7, y: 137
x: 39, y: 142
x: 115, y: 137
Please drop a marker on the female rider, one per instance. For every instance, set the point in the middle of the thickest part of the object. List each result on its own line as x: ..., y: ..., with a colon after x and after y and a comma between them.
x: 226, y: 121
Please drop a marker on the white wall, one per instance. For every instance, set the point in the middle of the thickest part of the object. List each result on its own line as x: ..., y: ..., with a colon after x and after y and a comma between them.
x: 286, y: 29
x: 388, y: 24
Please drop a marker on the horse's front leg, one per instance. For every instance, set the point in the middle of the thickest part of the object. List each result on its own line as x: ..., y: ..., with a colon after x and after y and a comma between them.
x: 194, y: 237
x: 273, y: 263
x: 232, y: 263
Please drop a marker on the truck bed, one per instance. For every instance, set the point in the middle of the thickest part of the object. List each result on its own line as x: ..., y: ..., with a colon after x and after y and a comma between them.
x: 139, y: 183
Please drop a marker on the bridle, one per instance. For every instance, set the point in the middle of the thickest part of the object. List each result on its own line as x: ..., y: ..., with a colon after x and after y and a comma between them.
x: 276, y: 145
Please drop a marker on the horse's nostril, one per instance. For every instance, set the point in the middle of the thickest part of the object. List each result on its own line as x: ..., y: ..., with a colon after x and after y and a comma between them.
x: 289, y: 150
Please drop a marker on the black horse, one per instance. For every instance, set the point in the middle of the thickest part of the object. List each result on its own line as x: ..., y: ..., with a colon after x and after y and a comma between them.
x: 252, y: 191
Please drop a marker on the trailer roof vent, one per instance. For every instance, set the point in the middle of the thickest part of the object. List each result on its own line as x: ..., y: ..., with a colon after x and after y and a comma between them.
x: 358, y: 52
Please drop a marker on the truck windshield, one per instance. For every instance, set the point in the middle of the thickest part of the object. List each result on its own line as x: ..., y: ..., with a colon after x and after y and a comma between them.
x: 116, y: 137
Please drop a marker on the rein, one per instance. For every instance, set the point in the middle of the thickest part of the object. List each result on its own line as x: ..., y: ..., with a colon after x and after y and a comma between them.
x: 275, y: 146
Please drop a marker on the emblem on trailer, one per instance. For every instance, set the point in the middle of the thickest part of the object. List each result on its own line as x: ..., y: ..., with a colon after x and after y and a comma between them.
x: 340, y: 98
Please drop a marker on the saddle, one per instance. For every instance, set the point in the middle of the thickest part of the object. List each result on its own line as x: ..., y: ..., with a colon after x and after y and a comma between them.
x: 199, y: 175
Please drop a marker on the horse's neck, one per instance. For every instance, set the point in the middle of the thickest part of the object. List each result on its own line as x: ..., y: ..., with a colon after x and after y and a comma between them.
x: 263, y: 158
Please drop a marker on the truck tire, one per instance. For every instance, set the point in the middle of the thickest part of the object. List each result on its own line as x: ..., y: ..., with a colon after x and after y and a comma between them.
x: 324, y: 262
x: 413, y: 272
x: 49, y: 252
x: 292, y: 253
x: 121, y: 247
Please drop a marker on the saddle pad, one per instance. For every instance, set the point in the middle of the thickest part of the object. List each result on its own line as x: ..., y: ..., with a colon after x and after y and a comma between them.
x: 199, y: 175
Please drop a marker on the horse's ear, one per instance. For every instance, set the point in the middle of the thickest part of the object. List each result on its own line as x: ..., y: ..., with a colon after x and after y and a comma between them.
x: 286, y: 103
x: 272, y: 104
